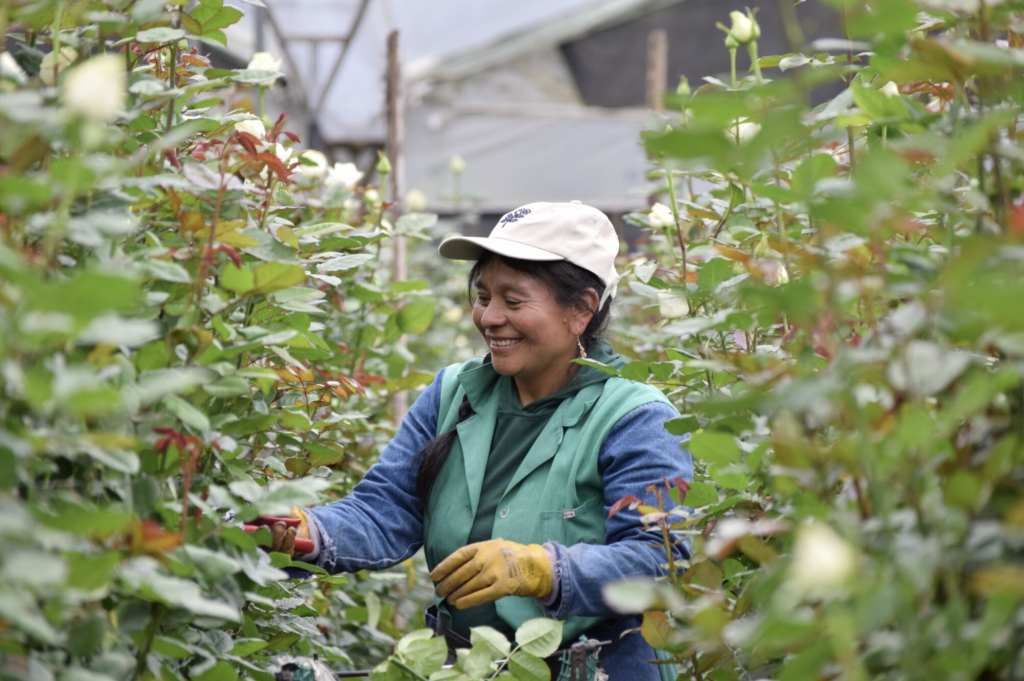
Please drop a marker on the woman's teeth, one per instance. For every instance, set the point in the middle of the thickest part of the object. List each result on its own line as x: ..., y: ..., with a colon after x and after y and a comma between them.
x: 503, y: 343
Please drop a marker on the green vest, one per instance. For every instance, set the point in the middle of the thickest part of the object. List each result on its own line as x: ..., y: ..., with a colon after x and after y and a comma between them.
x: 557, y: 493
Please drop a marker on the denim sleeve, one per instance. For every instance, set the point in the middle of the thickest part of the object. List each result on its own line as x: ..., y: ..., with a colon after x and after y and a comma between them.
x: 380, y: 523
x: 637, y: 452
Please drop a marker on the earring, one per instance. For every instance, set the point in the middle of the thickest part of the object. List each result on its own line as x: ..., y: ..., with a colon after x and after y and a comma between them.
x: 583, y: 353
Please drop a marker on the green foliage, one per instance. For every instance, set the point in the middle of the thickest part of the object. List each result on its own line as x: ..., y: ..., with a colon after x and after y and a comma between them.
x: 847, y: 358
x: 196, y: 327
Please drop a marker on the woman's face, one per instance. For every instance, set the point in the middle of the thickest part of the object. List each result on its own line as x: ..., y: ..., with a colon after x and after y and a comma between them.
x: 529, y: 335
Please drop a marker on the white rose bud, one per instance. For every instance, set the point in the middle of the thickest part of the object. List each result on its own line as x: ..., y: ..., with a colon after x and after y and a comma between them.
x: 822, y: 560
x: 457, y: 164
x: 9, y: 68
x: 371, y: 197
x: 316, y: 171
x: 345, y: 175
x: 661, y: 216
x: 253, y: 126
x: 742, y: 27
x: 416, y: 201
x: 452, y: 315
x: 264, y: 61
x: 284, y: 153
x: 672, y: 306
x: 781, y: 275
x: 61, y: 60
x: 96, y: 89
x: 746, y: 131
x: 890, y: 89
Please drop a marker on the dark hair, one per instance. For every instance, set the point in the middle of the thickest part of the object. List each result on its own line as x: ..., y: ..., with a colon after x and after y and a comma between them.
x: 568, y: 283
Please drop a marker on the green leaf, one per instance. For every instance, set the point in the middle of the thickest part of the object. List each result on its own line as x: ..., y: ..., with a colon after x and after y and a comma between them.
x: 161, y: 34
x: 255, y: 424
x: 222, y: 671
x: 494, y: 639
x: 415, y: 317
x: 715, y: 447
x: 142, y: 576
x: 714, y: 273
x: 729, y: 477
x: 527, y: 667
x: 187, y: 413
x: 274, y: 276
x: 245, y: 648
x: 166, y: 270
x: 701, y: 494
x: 635, y: 371
x: 282, y: 642
x: 82, y: 520
x: 90, y: 572
x: 344, y: 262
x: 540, y: 636
x: 407, y: 286
x: 240, y: 280
x: 682, y: 425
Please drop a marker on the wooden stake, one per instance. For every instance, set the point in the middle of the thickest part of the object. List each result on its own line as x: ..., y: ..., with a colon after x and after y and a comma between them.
x: 657, y: 68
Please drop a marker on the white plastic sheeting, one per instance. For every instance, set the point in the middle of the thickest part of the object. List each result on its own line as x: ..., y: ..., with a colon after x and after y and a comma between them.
x: 486, y: 81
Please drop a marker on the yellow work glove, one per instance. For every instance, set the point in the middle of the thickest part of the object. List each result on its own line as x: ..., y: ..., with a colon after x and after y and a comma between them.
x: 489, y: 570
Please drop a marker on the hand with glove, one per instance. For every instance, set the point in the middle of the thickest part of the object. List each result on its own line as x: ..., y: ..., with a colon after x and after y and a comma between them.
x: 489, y: 570
x: 288, y: 534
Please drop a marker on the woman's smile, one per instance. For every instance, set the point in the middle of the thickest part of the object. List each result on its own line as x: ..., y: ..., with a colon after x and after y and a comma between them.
x: 527, y: 332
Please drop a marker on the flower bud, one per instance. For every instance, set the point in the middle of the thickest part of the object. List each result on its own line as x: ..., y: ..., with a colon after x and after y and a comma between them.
x: 253, y: 126
x: 9, y: 68
x: 683, y: 89
x: 264, y: 61
x: 383, y: 164
x: 661, y: 216
x: 730, y: 41
x: 762, y: 250
x: 457, y: 165
x: 345, y: 175
x: 319, y: 167
x: 890, y: 89
x: 54, y: 63
x: 822, y: 560
x: 415, y: 201
x: 672, y: 306
x: 97, y: 89
x: 742, y: 28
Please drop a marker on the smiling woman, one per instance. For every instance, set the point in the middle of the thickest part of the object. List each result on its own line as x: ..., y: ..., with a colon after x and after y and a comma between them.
x: 505, y: 468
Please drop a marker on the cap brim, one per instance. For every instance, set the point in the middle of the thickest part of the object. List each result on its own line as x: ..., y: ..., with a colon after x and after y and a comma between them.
x: 472, y: 247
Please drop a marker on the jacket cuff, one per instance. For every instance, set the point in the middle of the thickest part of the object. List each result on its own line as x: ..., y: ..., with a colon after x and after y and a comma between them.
x: 556, y: 605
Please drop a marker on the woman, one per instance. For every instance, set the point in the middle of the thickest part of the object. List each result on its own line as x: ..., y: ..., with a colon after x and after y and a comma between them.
x: 505, y: 467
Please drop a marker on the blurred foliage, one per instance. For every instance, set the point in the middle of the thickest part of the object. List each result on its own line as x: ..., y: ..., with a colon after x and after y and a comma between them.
x: 199, y: 325
x: 832, y: 295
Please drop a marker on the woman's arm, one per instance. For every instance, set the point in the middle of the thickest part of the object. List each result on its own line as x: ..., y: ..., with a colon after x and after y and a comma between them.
x: 637, y: 452
x: 380, y: 523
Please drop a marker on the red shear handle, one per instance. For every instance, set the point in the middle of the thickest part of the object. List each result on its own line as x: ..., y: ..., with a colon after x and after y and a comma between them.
x: 302, y: 546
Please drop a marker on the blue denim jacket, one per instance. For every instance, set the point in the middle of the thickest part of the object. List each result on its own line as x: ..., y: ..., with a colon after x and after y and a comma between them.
x: 380, y: 523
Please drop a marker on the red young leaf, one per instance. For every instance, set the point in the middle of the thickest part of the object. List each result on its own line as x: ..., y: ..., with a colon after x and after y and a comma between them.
x: 622, y: 503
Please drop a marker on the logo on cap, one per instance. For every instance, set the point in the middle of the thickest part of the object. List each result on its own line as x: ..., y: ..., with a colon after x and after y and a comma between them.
x: 514, y: 215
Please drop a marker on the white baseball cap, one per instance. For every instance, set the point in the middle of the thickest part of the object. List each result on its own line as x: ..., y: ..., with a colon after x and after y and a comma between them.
x: 581, y: 234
